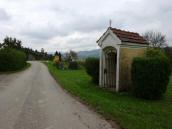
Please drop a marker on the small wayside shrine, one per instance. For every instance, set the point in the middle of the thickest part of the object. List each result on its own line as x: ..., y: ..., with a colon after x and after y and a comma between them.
x: 117, y: 50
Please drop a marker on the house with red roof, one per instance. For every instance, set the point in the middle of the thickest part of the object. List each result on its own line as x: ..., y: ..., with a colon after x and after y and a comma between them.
x: 117, y: 50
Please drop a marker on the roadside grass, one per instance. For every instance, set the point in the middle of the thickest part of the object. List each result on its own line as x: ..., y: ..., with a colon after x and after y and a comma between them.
x: 129, y: 112
x: 24, y: 68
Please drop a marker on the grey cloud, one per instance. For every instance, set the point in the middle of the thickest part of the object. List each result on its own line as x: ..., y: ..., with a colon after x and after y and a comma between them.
x: 4, y: 15
x: 89, y: 23
x: 39, y: 33
x: 85, y: 24
x: 77, y: 44
x: 48, y: 20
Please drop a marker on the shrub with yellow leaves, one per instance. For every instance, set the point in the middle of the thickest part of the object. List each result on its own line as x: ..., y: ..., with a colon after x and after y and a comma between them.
x: 56, y: 59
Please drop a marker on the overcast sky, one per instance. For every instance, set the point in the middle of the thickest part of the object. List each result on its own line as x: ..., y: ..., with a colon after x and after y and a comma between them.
x: 76, y: 24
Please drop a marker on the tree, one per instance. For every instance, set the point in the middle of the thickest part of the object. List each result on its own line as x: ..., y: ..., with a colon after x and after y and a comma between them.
x: 18, y: 44
x: 73, y: 55
x: 56, y: 53
x: 67, y: 57
x: 14, y: 43
x: 155, y: 39
x: 0, y: 45
x: 60, y: 56
x: 10, y: 42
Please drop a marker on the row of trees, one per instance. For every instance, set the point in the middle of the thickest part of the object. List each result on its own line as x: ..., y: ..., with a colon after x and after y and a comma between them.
x: 31, y: 54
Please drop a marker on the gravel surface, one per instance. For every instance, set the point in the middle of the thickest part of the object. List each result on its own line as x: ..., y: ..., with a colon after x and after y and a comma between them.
x: 32, y: 99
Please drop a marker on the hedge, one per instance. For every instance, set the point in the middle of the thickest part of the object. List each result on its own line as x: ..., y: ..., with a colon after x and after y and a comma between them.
x: 73, y: 65
x: 150, y: 75
x: 11, y: 59
x: 92, y: 68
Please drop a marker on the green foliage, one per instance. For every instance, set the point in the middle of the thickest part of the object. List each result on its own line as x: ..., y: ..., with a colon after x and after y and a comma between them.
x: 155, y: 52
x: 168, y: 52
x: 59, y: 55
x: 10, y: 42
x: 60, y: 65
x: 81, y: 64
x: 150, y: 75
x: 71, y: 56
x: 73, y: 65
x: 14, y: 43
x: 92, y: 68
x: 11, y: 59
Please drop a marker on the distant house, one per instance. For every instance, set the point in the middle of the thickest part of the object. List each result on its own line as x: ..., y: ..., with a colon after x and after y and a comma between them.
x: 117, y: 49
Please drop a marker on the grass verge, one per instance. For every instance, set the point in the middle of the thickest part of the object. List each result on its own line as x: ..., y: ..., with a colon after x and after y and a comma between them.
x: 22, y: 69
x: 127, y: 111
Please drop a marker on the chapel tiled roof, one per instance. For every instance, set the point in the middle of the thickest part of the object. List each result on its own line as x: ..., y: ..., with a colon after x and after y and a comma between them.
x: 126, y: 36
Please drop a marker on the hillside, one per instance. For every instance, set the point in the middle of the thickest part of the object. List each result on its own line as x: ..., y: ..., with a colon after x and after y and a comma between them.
x: 91, y: 53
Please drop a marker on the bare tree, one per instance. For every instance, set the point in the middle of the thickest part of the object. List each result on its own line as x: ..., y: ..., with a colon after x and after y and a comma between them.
x: 67, y: 57
x: 155, y: 39
x: 73, y: 55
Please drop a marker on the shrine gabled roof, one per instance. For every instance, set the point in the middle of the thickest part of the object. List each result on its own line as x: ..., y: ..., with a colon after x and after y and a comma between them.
x: 128, y: 37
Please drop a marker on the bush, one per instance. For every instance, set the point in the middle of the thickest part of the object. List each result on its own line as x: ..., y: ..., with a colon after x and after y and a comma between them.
x: 73, y: 65
x: 11, y: 59
x: 152, y: 52
x: 150, y: 75
x: 92, y: 68
x: 168, y: 53
x: 81, y: 64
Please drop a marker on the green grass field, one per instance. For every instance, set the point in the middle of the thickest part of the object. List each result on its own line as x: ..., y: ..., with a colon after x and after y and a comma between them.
x: 127, y: 111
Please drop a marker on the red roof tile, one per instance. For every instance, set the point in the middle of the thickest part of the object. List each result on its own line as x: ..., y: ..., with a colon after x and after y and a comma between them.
x: 126, y: 36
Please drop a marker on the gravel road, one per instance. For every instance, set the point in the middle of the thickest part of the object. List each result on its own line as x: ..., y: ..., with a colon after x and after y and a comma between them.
x: 32, y: 99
